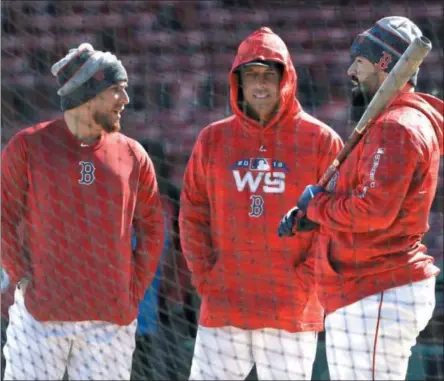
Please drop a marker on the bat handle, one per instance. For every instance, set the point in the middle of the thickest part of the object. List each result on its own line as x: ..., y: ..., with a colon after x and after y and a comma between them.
x: 328, y: 174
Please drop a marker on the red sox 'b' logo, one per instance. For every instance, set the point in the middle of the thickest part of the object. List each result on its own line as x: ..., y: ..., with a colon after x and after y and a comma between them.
x: 384, y: 62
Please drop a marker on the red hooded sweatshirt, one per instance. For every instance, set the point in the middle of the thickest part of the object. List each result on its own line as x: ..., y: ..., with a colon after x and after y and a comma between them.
x: 240, y: 180
x: 373, y: 222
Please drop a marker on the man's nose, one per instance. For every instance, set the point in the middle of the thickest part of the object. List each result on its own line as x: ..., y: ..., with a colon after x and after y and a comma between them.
x: 261, y: 81
x: 124, y: 97
x: 351, y: 71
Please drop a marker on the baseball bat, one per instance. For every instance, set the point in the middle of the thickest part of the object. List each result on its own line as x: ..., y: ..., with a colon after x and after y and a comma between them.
x: 393, y: 83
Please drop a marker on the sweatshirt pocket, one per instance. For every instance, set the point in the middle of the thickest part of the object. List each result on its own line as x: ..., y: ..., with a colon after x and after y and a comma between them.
x: 253, y: 272
x: 323, y: 265
x: 225, y: 274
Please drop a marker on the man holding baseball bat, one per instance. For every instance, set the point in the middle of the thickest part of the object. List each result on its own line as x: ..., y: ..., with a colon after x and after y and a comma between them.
x: 374, y: 277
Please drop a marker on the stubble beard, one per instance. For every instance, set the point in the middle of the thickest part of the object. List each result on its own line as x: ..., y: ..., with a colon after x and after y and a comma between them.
x: 104, y: 121
x: 360, y: 99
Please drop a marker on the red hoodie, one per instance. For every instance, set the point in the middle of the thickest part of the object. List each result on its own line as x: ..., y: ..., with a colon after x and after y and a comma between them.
x: 240, y: 180
x: 373, y: 223
x: 78, y: 205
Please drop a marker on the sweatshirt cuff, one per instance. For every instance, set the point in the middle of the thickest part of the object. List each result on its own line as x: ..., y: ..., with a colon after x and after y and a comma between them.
x: 314, y: 206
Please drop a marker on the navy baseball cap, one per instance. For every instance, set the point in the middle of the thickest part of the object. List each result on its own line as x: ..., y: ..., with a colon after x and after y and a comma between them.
x: 270, y: 64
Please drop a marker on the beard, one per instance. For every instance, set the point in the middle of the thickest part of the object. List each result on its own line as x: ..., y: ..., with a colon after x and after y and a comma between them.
x: 362, y: 94
x: 103, y: 120
x: 360, y: 99
x: 359, y: 103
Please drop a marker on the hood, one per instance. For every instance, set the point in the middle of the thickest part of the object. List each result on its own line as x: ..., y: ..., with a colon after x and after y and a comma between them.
x: 430, y: 106
x: 265, y: 45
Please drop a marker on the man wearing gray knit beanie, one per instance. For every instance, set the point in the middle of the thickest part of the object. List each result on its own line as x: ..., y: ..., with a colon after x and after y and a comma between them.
x: 78, y: 188
x: 381, y: 46
x: 375, y: 279
x: 92, y: 90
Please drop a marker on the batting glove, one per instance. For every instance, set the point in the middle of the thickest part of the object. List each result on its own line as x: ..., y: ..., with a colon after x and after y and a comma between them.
x: 309, y: 192
x: 287, y: 223
x: 296, y: 218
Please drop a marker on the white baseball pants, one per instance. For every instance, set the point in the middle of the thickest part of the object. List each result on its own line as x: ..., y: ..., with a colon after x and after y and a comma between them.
x: 372, y: 338
x: 229, y: 353
x: 89, y: 350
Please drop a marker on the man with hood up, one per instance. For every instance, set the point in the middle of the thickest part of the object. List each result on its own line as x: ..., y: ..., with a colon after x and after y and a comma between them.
x: 375, y: 279
x: 259, y: 304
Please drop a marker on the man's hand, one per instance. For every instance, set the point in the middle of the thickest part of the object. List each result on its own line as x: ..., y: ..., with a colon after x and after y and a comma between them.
x: 296, y: 218
x: 285, y: 228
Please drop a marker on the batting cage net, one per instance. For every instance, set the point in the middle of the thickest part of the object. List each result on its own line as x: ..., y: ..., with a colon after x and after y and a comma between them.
x: 251, y: 291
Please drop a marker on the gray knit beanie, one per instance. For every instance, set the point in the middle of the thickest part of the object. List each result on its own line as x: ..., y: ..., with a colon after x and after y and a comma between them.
x: 386, y: 41
x: 84, y: 73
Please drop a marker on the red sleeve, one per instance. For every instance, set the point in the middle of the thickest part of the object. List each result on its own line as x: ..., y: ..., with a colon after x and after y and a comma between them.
x: 149, y: 228
x: 14, y: 190
x: 194, y: 218
x: 385, y: 170
x: 330, y: 144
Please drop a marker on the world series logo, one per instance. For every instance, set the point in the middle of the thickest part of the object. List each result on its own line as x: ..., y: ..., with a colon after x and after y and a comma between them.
x: 264, y: 175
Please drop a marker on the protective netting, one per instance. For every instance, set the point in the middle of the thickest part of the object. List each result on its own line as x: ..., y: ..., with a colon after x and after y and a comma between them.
x: 178, y: 55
